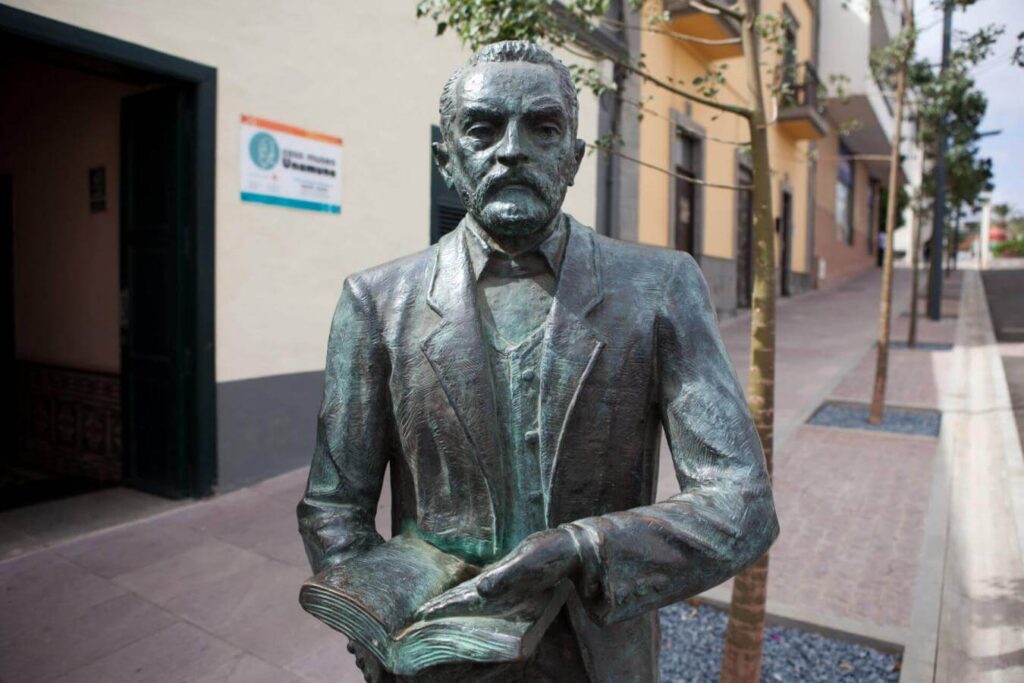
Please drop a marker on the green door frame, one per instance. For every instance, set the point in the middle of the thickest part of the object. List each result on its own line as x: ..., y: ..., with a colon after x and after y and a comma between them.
x: 105, y: 52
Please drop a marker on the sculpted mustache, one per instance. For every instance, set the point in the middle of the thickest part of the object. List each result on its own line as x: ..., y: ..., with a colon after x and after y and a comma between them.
x: 493, y: 184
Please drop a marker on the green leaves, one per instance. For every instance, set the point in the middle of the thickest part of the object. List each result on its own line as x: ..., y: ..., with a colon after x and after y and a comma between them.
x: 479, y: 22
x: 709, y: 84
x: 950, y: 103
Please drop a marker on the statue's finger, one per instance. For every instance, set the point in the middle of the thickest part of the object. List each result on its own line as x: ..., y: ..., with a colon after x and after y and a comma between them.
x: 498, y: 581
x: 448, y: 603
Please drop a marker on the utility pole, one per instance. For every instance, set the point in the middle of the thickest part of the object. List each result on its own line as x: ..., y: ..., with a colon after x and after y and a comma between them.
x: 956, y: 237
x: 935, y: 283
x: 986, y: 223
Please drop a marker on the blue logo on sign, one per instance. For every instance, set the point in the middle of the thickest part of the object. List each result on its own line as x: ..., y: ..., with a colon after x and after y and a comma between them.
x: 264, y: 151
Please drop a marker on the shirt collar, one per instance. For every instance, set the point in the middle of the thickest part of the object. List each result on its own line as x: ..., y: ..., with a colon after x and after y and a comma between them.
x: 482, y: 248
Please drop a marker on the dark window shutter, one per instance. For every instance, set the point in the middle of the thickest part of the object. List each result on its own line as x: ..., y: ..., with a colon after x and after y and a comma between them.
x: 446, y: 208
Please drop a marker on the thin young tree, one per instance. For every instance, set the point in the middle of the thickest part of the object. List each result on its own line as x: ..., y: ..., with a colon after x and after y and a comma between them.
x: 900, y: 53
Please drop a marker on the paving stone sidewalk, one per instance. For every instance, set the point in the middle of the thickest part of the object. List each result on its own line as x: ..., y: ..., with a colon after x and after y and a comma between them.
x: 852, y: 504
x: 208, y: 592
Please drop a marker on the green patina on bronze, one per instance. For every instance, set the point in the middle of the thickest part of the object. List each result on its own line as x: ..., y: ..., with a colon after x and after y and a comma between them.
x: 531, y: 469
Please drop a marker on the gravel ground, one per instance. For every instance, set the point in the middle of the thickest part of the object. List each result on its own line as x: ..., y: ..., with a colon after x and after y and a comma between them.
x: 896, y: 420
x: 691, y: 652
x: 921, y: 346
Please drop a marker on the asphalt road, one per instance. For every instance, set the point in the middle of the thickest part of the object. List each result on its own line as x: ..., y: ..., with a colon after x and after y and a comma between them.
x: 1004, y: 290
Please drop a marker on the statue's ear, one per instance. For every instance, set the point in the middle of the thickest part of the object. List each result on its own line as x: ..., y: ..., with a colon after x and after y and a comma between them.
x: 442, y: 159
x: 579, y: 149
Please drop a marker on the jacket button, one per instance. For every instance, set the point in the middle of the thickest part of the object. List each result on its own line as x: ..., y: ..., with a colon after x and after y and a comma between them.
x: 532, y: 436
x: 529, y: 375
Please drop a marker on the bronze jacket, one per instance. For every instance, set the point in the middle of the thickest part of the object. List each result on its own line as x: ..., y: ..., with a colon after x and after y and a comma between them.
x: 631, y: 346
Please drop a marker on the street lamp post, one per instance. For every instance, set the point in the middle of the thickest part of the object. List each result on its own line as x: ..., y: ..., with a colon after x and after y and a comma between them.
x: 939, y: 227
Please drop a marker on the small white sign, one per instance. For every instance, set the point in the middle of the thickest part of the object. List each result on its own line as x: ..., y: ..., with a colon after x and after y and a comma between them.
x: 287, y: 166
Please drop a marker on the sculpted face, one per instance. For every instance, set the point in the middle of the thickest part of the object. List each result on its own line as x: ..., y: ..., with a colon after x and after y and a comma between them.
x: 511, y: 154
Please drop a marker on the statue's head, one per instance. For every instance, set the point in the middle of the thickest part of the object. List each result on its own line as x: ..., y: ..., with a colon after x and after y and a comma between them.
x: 509, y: 147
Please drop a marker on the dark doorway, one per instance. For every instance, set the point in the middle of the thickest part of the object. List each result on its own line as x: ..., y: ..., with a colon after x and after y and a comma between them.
x: 156, y: 188
x: 686, y: 192
x: 785, y: 235
x: 152, y: 413
x: 7, y: 301
x: 686, y: 195
x: 684, y: 233
x: 744, y: 238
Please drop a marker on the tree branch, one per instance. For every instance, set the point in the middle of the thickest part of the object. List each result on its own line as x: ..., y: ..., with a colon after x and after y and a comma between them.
x: 673, y: 34
x: 733, y: 109
x: 695, y: 181
x: 657, y: 114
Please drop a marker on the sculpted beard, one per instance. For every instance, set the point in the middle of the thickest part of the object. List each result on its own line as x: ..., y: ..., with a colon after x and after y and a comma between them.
x: 522, y: 213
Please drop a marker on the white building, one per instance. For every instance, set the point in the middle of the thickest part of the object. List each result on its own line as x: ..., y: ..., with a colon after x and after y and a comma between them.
x: 174, y: 335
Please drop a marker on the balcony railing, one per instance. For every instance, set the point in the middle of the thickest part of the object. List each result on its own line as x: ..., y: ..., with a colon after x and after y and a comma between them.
x: 799, y: 113
x: 800, y: 86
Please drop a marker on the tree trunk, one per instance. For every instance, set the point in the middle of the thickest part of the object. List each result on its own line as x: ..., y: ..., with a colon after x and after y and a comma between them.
x: 915, y: 258
x: 741, y: 661
x: 954, y: 251
x: 882, y: 363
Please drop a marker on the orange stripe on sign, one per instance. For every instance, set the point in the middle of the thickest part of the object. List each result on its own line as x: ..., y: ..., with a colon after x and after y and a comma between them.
x: 291, y: 130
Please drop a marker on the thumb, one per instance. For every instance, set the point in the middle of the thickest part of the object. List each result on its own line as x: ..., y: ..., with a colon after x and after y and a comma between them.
x: 496, y: 582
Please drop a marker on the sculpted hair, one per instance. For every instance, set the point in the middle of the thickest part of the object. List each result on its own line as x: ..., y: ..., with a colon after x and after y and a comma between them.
x: 509, y: 51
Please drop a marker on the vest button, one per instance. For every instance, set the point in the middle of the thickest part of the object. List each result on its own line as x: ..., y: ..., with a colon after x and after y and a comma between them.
x: 532, y: 436
x: 529, y: 375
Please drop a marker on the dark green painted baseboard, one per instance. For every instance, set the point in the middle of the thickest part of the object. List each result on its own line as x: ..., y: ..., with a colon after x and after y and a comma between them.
x: 265, y: 426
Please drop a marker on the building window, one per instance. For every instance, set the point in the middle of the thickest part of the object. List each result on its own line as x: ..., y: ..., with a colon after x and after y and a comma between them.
x: 844, y: 197
x: 446, y: 208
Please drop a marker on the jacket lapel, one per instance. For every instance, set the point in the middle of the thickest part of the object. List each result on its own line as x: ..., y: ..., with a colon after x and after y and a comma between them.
x: 457, y: 353
x: 571, y: 347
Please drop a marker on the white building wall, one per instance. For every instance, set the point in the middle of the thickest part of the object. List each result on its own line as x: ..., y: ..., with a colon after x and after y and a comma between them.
x: 369, y: 72
x: 849, y: 30
x: 845, y: 39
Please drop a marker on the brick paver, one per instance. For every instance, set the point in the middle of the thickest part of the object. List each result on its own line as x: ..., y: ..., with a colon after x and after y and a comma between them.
x: 852, y: 506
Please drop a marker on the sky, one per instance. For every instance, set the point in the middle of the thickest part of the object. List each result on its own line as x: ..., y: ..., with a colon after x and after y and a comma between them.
x: 1002, y: 82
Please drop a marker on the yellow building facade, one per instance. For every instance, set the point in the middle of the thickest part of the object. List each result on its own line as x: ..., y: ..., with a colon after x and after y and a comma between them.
x: 680, y: 139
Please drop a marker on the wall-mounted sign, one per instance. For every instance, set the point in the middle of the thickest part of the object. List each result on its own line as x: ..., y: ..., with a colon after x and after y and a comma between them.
x: 287, y: 166
x: 98, y: 189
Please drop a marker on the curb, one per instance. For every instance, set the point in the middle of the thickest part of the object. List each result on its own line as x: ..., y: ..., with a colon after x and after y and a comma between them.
x: 883, y: 638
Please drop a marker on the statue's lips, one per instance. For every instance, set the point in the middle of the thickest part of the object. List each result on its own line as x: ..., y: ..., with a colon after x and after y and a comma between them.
x: 512, y: 187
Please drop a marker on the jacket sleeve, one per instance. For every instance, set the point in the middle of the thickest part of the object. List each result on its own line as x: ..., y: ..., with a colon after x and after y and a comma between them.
x: 724, y: 518
x: 337, y: 513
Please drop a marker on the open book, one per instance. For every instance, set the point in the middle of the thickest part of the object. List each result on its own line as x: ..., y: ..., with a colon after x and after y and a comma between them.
x: 372, y: 598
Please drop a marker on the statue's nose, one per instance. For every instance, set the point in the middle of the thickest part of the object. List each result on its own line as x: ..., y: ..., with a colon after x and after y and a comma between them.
x: 511, y: 151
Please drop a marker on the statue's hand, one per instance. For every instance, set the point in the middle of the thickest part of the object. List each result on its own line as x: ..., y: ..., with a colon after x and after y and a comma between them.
x: 373, y: 670
x: 462, y: 600
x: 536, y: 565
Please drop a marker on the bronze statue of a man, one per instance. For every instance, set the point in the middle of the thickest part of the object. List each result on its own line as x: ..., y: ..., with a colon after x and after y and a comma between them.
x: 515, y: 377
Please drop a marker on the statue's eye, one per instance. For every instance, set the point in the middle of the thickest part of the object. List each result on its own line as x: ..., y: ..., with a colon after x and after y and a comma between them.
x: 480, y: 130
